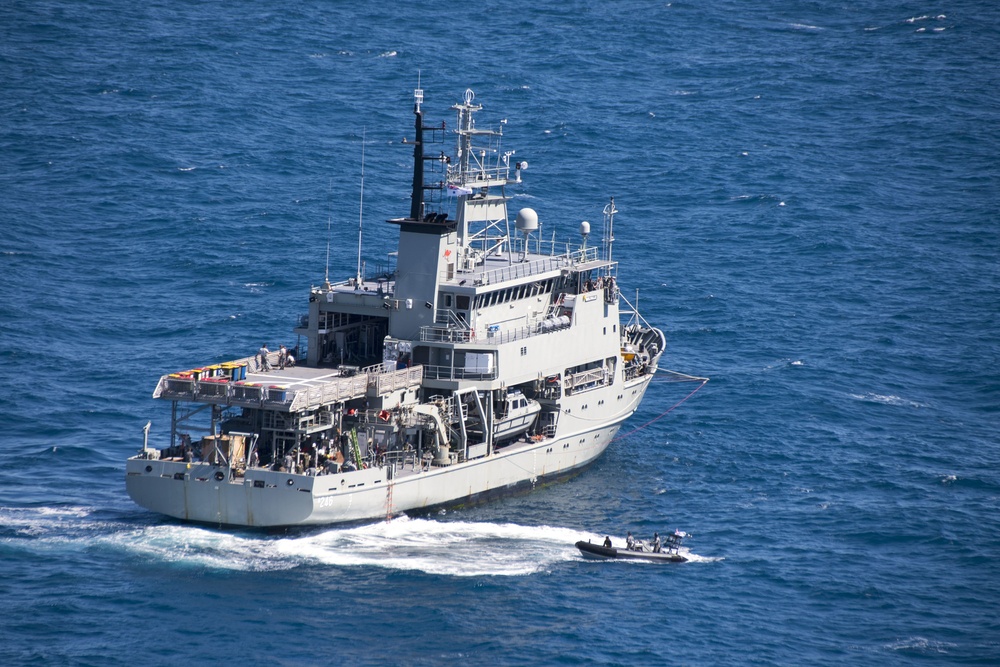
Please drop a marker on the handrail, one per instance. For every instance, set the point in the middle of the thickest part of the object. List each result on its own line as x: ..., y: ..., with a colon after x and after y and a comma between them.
x: 522, y: 269
x: 444, y: 334
x: 333, y: 390
x: 457, y: 373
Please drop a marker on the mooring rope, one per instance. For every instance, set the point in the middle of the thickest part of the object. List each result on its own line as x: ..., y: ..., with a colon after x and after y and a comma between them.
x: 674, y: 377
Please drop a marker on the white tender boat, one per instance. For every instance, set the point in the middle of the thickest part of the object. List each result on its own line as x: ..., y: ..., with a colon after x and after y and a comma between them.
x: 518, y: 415
x: 480, y: 364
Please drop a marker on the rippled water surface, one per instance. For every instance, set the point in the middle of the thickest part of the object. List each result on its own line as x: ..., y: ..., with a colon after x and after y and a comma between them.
x: 807, y: 195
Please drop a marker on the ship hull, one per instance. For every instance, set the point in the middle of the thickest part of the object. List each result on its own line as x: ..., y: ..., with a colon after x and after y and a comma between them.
x: 200, y: 492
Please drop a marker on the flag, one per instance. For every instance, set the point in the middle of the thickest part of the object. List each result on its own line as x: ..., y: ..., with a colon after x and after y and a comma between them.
x: 458, y: 190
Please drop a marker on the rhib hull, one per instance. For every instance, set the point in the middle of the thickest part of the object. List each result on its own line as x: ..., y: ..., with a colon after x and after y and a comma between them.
x: 600, y: 552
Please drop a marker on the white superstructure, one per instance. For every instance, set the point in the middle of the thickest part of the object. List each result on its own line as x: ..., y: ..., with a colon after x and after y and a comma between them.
x: 480, y: 364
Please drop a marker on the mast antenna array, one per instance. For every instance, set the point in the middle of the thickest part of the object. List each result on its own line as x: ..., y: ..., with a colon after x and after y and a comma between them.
x: 329, y: 231
x: 608, y: 239
x: 361, y: 207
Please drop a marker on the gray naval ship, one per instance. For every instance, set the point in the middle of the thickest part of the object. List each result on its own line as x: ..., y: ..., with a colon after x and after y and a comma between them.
x: 480, y: 364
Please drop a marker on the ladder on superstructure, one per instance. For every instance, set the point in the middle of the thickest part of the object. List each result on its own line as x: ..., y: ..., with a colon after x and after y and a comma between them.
x: 355, y: 450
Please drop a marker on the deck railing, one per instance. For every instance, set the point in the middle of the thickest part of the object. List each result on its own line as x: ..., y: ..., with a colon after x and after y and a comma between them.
x: 458, y: 373
x: 220, y: 390
x: 586, y: 380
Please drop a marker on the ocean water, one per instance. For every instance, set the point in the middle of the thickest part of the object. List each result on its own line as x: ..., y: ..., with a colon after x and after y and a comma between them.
x: 808, y: 198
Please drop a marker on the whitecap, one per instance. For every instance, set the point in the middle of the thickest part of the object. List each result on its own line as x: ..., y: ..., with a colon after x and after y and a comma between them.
x: 38, y: 520
x: 920, y: 644
x: 186, y: 168
x: 33, y: 515
x: 387, y: 54
x: 890, y: 399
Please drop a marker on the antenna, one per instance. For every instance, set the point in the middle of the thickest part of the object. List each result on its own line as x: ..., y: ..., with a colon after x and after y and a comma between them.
x: 361, y: 207
x: 609, y: 231
x: 329, y: 231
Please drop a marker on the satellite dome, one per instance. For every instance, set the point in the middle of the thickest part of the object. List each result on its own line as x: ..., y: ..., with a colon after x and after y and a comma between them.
x: 527, y: 220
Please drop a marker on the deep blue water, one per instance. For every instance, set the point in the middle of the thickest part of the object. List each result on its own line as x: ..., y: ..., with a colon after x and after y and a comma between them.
x: 808, y: 196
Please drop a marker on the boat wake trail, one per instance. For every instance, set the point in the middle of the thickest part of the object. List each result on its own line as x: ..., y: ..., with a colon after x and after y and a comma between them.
x: 455, y: 548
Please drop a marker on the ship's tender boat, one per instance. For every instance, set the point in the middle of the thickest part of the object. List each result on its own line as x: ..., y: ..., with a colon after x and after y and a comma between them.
x: 475, y: 364
x: 670, y: 552
x: 517, y: 416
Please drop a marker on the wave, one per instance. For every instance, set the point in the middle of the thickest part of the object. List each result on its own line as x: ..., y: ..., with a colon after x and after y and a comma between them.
x: 454, y: 548
x: 891, y: 399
